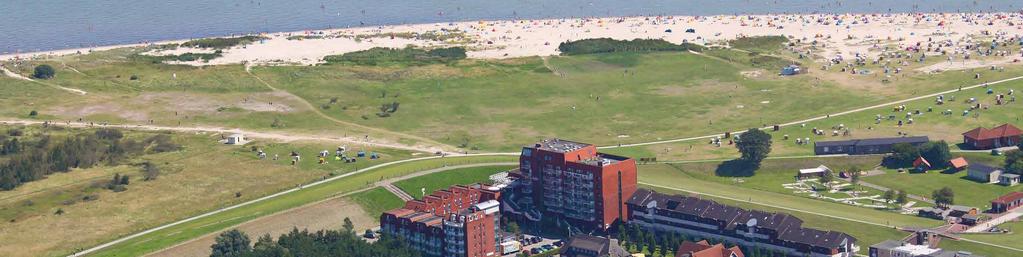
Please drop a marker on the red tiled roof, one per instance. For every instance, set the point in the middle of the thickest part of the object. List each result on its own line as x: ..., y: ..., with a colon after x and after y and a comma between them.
x: 1008, y: 198
x: 959, y: 163
x: 920, y: 160
x: 704, y: 249
x: 1005, y: 130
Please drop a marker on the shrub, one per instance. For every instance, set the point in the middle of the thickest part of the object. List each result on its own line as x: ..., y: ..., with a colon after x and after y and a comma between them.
x: 607, y: 45
x: 44, y: 71
x: 33, y: 113
x: 407, y: 55
x: 221, y: 42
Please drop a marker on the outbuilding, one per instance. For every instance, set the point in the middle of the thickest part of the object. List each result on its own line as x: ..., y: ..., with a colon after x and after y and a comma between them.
x: 1007, y: 179
x: 984, y: 173
x: 810, y: 173
x: 1007, y: 202
x: 235, y: 139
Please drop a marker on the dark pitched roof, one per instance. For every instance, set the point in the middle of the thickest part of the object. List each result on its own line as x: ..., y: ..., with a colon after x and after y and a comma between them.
x: 788, y: 227
x: 1005, y: 130
x: 987, y: 169
x: 601, y: 246
x: 874, y: 141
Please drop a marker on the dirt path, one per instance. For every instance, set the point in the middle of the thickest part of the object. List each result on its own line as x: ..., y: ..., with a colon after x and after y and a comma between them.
x: 316, y: 110
x: 327, y: 214
x: 253, y: 134
x: 12, y: 74
x: 547, y: 63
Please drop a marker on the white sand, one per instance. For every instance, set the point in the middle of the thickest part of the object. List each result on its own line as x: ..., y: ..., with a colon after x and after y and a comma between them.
x: 837, y: 35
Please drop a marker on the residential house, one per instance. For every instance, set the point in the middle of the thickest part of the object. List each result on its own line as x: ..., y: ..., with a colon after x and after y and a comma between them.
x: 983, y: 173
x: 810, y: 173
x: 1007, y: 202
x: 865, y: 146
x: 1001, y: 136
x: 593, y: 246
x: 704, y: 249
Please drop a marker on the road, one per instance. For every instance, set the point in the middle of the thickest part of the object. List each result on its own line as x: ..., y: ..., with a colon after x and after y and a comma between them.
x: 810, y: 212
x: 1012, y: 215
x: 278, y: 194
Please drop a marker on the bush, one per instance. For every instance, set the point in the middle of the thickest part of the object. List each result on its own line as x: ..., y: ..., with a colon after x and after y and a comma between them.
x: 221, y: 42
x: 607, y: 45
x: 33, y: 113
x: 407, y: 55
x: 44, y: 72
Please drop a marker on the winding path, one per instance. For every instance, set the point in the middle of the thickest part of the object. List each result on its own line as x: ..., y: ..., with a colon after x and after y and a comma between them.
x: 12, y: 74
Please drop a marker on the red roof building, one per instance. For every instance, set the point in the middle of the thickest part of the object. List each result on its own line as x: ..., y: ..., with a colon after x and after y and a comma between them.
x: 958, y: 163
x: 921, y: 164
x: 1001, y: 136
x: 704, y: 249
x: 1007, y: 202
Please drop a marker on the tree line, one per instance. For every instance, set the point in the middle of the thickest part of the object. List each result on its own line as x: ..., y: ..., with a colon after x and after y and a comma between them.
x: 343, y: 242
x: 33, y: 159
x: 935, y: 152
x: 607, y: 45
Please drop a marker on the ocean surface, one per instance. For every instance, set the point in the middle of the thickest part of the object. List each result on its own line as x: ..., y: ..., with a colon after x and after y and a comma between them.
x: 40, y: 25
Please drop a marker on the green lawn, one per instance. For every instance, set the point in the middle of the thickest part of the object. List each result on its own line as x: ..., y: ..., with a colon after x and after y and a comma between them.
x: 210, y: 224
x: 1016, y: 234
x: 967, y: 192
x: 376, y: 201
x: 441, y: 180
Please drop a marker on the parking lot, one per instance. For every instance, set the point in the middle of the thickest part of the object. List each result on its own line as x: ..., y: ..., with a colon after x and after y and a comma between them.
x: 535, y: 242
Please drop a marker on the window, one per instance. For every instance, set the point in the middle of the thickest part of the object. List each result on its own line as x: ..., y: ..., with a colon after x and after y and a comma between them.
x: 527, y: 152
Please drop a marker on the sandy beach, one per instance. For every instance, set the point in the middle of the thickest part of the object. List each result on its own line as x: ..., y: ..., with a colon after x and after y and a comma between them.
x: 841, y: 36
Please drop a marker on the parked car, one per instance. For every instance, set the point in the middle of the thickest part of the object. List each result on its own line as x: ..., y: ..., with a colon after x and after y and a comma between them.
x: 559, y: 243
x: 535, y: 250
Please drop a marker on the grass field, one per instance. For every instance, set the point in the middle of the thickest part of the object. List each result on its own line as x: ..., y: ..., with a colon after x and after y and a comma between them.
x: 204, y: 176
x: 483, y: 105
x: 210, y: 224
x: 863, y: 125
x: 441, y: 180
x: 376, y: 201
x: 967, y: 192
x: 816, y: 214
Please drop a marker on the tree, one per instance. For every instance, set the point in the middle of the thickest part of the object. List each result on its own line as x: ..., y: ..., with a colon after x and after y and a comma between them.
x: 888, y: 196
x: 43, y: 71
x: 651, y: 243
x: 754, y: 146
x: 348, y: 226
x: 827, y: 178
x: 231, y: 243
x: 854, y: 175
x: 943, y: 196
x: 902, y: 156
x: 1014, y: 162
x: 937, y: 153
x: 902, y: 197
x: 33, y: 113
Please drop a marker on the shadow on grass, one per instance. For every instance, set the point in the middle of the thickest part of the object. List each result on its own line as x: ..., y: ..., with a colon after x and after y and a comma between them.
x: 735, y: 168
